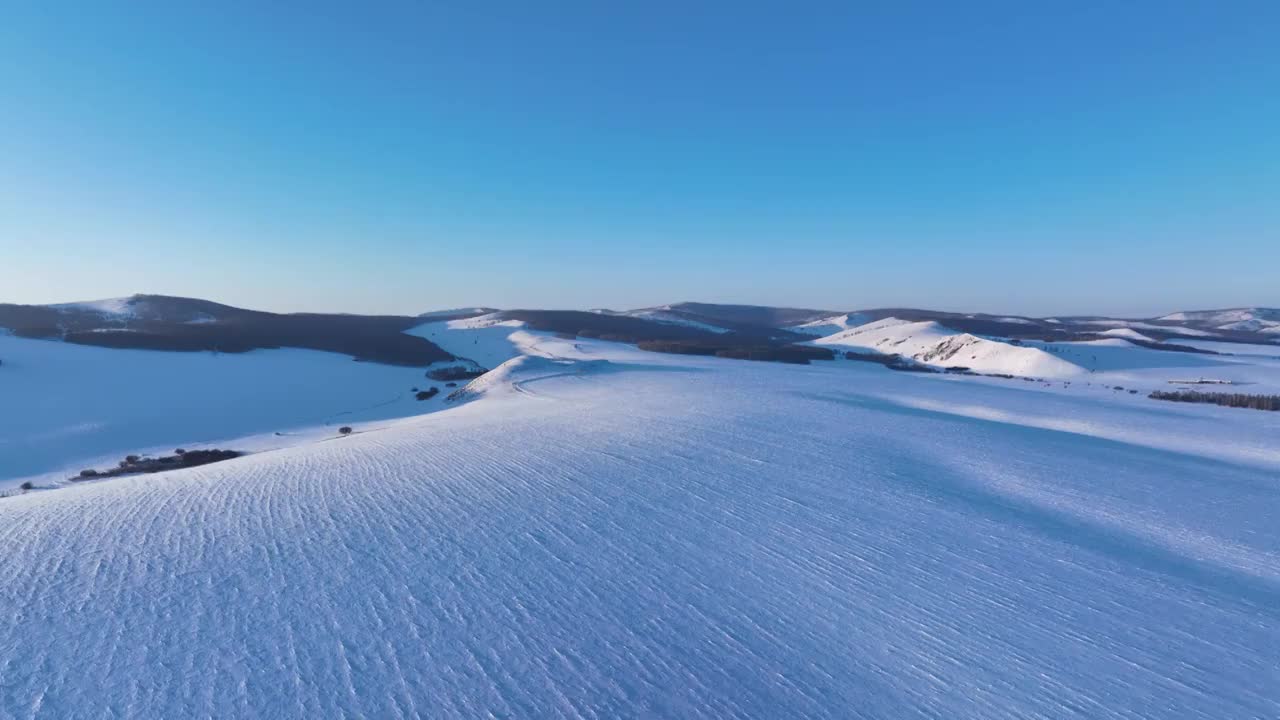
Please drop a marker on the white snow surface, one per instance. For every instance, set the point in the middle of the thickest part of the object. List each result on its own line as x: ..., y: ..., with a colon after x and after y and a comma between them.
x: 1117, y: 361
x: 604, y: 532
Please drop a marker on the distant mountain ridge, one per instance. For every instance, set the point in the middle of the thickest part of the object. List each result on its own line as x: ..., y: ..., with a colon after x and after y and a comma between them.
x: 161, y: 322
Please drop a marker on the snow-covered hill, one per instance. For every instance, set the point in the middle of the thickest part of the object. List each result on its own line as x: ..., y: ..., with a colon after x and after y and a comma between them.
x: 1254, y: 319
x: 1128, y: 334
x: 604, y: 532
x: 932, y: 344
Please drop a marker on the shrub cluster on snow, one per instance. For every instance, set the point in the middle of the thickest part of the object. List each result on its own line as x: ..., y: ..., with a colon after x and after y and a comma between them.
x: 1241, y: 400
x: 729, y: 348
x: 135, y: 464
x: 455, y: 373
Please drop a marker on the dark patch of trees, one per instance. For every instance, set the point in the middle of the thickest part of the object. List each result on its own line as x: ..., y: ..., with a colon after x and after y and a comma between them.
x: 134, y: 464
x: 344, y: 430
x: 892, y: 361
x: 628, y: 329
x: 1240, y: 400
x: 608, y: 336
x: 621, y: 328
x: 738, y: 316
x: 725, y: 348
x: 455, y: 373
x: 676, y: 347
x: 427, y: 394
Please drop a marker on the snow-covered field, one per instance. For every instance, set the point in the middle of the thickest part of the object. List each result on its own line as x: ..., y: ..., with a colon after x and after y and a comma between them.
x: 610, y: 533
x: 67, y: 407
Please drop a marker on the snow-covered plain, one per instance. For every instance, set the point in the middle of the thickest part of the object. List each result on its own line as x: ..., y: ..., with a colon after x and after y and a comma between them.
x: 604, y: 532
x: 66, y: 407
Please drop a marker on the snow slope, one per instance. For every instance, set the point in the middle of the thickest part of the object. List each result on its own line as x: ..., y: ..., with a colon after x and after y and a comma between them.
x: 933, y: 344
x: 669, y: 316
x: 611, y: 533
x: 485, y: 340
x: 117, y: 308
x: 830, y: 325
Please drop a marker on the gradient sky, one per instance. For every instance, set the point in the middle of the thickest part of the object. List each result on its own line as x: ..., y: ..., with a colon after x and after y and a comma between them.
x: 1040, y: 158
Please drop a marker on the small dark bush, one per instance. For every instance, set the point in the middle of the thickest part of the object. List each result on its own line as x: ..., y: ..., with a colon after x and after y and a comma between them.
x: 344, y: 430
x: 428, y: 393
x: 131, y: 459
x: 26, y: 486
x: 88, y: 473
x: 179, y: 451
x: 451, y: 384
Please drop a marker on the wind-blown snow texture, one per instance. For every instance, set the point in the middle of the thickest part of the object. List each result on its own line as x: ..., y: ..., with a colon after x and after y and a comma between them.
x: 610, y: 533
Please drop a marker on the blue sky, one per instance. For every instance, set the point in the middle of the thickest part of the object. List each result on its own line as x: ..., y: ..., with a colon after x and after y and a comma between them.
x: 1036, y: 158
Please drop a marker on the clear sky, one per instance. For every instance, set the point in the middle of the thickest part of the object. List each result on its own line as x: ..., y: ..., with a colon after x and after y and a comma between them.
x: 1029, y: 157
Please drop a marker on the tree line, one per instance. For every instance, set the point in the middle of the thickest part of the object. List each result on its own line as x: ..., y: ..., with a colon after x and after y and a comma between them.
x: 1257, y: 402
